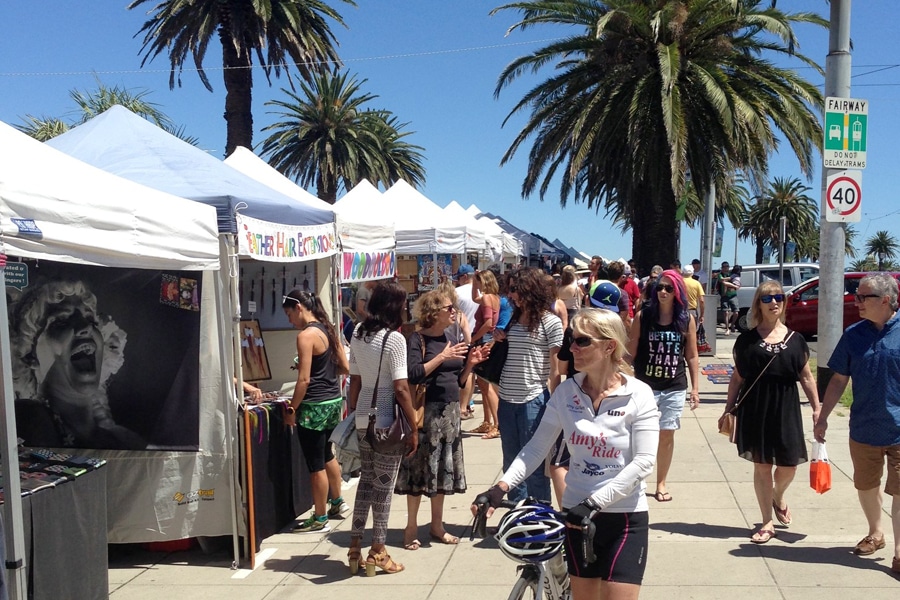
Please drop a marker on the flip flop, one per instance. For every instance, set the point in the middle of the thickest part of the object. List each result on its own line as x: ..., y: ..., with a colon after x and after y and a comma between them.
x: 663, y: 496
x: 762, y: 536
x: 783, y: 516
x: 413, y: 545
x: 448, y: 539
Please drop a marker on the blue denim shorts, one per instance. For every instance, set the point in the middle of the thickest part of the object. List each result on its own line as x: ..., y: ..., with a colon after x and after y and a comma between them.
x: 671, y: 405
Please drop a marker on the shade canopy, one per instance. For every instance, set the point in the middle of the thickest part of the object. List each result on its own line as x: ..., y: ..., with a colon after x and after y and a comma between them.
x: 420, y: 223
x: 362, y: 223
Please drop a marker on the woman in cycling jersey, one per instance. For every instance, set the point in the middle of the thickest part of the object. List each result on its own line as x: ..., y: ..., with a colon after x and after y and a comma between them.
x: 611, y: 425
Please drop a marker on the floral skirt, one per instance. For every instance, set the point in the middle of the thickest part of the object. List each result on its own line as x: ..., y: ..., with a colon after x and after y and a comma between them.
x: 437, y: 467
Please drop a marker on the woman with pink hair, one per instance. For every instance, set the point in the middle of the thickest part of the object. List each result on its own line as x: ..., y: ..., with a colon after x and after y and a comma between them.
x: 663, y: 342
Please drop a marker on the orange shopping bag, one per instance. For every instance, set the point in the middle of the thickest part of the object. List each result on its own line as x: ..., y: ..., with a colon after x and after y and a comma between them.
x: 819, y: 469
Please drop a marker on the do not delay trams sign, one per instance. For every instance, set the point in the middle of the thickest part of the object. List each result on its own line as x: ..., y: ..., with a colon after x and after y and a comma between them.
x: 843, y: 197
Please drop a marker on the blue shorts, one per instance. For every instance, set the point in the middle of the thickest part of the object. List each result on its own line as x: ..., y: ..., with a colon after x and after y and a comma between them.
x: 671, y: 405
x: 730, y: 304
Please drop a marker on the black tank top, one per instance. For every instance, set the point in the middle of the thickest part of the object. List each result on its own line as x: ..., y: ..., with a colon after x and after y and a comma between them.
x: 323, y: 380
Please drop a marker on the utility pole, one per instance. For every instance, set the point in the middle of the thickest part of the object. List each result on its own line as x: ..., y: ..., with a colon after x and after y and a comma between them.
x: 832, y: 235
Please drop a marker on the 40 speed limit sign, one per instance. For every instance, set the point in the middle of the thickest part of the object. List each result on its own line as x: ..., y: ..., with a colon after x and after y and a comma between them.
x: 843, y: 197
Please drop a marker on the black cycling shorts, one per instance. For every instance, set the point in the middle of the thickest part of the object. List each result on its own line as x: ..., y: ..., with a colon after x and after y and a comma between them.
x: 559, y: 454
x: 620, y: 544
x: 316, y: 448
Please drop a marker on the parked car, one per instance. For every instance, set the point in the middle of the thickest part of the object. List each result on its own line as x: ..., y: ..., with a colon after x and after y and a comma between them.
x: 752, y: 275
x: 802, y: 304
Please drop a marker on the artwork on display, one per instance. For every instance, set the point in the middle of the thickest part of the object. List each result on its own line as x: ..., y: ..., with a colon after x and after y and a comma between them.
x: 255, y: 362
x: 427, y: 267
x: 105, y: 358
x: 262, y: 285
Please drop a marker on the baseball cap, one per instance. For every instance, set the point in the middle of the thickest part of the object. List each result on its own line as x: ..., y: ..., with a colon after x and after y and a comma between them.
x: 464, y: 270
x: 605, y: 294
x: 687, y: 270
x: 626, y: 270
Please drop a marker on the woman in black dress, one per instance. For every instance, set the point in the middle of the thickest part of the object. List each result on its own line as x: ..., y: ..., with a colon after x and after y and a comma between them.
x: 437, y: 468
x: 769, y: 360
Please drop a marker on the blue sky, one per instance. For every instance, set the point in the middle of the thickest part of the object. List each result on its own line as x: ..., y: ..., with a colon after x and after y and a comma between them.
x: 435, y: 65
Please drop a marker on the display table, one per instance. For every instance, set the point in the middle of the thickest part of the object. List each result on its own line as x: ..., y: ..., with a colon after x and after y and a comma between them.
x: 65, y: 539
x: 280, y: 479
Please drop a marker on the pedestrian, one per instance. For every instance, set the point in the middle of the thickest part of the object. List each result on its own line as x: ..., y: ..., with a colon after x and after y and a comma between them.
x: 530, y: 373
x: 769, y: 360
x: 728, y: 283
x: 378, y: 361
x: 610, y: 422
x: 316, y: 405
x: 464, y: 277
x: 486, y: 293
x: 699, y: 274
x: 569, y: 292
x: 664, y: 341
x: 867, y: 354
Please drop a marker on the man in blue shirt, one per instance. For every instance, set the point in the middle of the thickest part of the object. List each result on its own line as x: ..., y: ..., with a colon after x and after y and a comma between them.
x: 869, y: 353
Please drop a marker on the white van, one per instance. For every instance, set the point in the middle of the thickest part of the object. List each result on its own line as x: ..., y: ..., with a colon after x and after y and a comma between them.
x: 752, y: 275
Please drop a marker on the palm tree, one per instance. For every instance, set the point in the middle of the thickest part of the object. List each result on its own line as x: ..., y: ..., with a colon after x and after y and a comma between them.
x: 783, y: 198
x: 329, y: 139
x: 645, y: 90
x: 864, y: 264
x: 808, y: 245
x: 91, y: 103
x: 282, y: 33
x: 883, y: 245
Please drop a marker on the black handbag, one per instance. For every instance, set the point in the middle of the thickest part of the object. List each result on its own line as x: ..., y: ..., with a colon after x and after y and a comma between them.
x: 491, y: 369
x: 387, y: 440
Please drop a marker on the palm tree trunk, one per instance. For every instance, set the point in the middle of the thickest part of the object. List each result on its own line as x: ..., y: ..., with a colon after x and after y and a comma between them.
x: 760, y: 249
x: 654, y: 229
x: 238, y: 78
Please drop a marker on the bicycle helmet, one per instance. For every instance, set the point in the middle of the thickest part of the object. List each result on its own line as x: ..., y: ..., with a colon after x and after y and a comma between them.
x: 531, y: 533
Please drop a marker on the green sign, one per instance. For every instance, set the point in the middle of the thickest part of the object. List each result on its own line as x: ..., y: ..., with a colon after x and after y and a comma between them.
x: 846, y: 120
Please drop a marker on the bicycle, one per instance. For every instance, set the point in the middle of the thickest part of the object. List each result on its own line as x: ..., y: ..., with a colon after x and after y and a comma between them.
x: 542, y: 578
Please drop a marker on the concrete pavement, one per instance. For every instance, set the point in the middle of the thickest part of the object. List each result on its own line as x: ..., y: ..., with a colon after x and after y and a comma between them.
x: 699, y: 542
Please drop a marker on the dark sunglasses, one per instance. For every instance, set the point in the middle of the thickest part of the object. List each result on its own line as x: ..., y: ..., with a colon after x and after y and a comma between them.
x: 864, y: 297
x: 584, y: 341
x: 769, y: 297
x: 513, y: 288
x: 665, y: 287
x: 449, y: 308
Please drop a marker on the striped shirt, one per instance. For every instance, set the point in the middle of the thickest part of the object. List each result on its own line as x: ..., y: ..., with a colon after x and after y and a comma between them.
x: 528, y: 361
x: 364, y: 357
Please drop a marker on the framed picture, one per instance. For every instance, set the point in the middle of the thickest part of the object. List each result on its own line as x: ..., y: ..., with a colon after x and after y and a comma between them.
x: 255, y: 362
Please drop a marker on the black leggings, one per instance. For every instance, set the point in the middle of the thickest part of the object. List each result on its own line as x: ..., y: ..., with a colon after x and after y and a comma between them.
x: 316, y: 447
x: 620, y: 544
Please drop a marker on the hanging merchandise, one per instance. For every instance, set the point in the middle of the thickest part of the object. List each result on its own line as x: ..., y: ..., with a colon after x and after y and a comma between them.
x: 262, y: 289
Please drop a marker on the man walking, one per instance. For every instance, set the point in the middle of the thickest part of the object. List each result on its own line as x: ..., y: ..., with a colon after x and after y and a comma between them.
x: 869, y: 354
x: 727, y: 285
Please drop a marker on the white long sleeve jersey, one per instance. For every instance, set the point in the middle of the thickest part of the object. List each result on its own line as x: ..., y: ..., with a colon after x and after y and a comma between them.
x: 612, y: 452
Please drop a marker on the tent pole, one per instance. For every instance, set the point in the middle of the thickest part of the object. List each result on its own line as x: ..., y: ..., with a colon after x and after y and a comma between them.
x: 17, y: 577
x: 226, y: 292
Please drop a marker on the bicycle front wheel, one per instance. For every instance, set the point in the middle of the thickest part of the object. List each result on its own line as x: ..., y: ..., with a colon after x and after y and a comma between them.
x: 525, y: 588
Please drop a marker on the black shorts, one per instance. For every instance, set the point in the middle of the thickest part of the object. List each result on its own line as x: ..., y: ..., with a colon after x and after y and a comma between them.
x: 559, y: 454
x: 620, y: 544
x: 316, y: 447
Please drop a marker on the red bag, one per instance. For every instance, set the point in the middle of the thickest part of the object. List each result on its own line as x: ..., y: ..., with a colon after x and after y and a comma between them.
x: 819, y: 469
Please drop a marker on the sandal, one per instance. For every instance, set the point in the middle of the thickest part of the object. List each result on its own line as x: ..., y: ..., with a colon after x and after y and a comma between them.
x: 383, y: 561
x: 465, y: 415
x: 663, y: 496
x: 762, y: 536
x: 783, y: 515
x: 493, y: 434
x: 354, y: 558
x: 447, y: 538
x: 483, y: 428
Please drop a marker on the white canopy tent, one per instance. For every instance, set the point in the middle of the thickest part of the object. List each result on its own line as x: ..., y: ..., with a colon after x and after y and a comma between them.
x: 56, y: 208
x: 367, y: 235
x: 478, y: 239
x: 512, y: 247
x: 420, y: 223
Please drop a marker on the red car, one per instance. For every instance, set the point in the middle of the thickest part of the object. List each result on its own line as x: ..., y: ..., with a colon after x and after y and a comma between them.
x: 802, y: 308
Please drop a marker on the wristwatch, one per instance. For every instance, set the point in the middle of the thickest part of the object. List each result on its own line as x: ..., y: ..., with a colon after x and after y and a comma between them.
x: 289, y: 409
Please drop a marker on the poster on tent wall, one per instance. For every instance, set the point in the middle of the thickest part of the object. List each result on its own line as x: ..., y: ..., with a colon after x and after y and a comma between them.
x: 274, y: 242
x: 367, y: 266
x: 105, y: 358
x: 428, y: 266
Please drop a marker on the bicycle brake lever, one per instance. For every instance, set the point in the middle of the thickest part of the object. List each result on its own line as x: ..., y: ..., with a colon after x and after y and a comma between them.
x: 588, y: 529
x: 479, y: 527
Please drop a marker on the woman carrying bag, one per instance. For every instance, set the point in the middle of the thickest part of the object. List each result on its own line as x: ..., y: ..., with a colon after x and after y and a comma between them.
x: 769, y: 360
x: 378, y: 370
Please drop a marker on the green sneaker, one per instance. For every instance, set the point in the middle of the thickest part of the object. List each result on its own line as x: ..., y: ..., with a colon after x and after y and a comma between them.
x: 313, y: 523
x: 338, y: 508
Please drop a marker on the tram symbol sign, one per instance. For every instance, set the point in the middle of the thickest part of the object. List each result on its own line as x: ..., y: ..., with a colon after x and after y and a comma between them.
x: 843, y: 197
x: 846, y: 124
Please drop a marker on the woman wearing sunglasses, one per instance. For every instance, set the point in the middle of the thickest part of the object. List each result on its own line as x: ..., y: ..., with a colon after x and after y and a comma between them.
x: 769, y: 360
x: 663, y: 339
x: 609, y: 420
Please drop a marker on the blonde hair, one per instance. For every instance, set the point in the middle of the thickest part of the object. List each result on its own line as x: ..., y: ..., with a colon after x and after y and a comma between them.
x: 428, y: 307
x: 488, y: 282
x: 604, y: 324
x: 766, y: 288
x: 568, y: 275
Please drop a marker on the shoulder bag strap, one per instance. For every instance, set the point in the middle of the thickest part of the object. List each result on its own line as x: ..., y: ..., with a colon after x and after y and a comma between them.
x: 747, y: 391
x: 378, y: 377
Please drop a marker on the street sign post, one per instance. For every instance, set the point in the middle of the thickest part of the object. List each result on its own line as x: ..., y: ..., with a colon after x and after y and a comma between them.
x: 843, y: 197
x: 846, y: 120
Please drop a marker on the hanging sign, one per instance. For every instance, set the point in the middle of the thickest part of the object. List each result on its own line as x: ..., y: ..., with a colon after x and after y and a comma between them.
x: 367, y: 266
x: 275, y: 242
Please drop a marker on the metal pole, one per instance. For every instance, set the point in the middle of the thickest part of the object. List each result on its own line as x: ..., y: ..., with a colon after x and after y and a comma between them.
x: 832, y: 235
x: 782, y: 241
x: 709, y: 239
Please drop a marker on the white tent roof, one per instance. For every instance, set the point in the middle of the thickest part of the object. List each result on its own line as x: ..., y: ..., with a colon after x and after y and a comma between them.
x: 478, y: 239
x: 421, y: 226
x: 362, y: 224
x: 88, y: 216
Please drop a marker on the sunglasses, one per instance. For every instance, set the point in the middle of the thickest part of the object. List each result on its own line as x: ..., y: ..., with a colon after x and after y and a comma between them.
x: 864, y: 297
x: 770, y: 297
x: 584, y: 341
x: 448, y: 308
x: 665, y: 287
x: 513, y: 288
x: 291, y: 298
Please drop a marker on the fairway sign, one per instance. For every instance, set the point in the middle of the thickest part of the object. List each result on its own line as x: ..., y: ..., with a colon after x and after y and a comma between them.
x: 843, y: 197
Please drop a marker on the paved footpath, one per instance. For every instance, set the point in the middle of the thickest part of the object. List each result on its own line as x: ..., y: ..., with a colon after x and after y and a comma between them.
x: 699, y: 546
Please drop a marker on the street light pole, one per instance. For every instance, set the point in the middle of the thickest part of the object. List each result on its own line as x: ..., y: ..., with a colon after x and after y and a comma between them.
x: 832, y: 235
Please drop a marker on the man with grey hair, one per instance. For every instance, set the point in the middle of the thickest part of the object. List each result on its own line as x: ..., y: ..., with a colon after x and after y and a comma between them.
x: 869, y: 354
